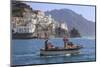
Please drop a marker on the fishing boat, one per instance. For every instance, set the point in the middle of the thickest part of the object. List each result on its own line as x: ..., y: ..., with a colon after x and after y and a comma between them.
x: 69, y: 48
x: 60, y: 51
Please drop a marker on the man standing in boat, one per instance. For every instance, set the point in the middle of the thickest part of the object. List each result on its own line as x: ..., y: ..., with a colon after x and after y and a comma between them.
x: 68, y: 44
x: 47, y: 45
x: 65, y: 40
x: 46, y: 41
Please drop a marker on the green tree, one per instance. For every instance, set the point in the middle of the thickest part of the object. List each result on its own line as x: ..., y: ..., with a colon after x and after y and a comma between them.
x: 74, y: 33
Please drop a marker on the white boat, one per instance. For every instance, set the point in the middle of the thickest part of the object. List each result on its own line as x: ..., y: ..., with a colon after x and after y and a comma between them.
x: 60, y: 51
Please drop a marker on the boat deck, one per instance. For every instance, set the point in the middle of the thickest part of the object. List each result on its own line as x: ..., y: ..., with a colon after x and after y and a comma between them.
x: 62, y: 49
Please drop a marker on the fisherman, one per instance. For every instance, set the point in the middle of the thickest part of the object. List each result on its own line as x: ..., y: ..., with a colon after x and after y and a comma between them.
x: 65, y: 39
x: 71, y: 45
x: 46, y: 44
x: 46, y: 41
x: 50, y: 46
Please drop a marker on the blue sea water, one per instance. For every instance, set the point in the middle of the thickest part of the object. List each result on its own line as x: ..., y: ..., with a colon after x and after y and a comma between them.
x: 27, y: 51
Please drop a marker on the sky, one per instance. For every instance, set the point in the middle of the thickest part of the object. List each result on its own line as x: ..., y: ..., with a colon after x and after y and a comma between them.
x: 87, y: 12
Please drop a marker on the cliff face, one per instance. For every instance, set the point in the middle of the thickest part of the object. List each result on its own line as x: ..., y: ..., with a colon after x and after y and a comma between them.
x: 18, y: 8
x: 85, y: 27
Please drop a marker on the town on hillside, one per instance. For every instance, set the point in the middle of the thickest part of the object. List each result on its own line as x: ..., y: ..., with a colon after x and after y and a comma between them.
x: 29, y: 23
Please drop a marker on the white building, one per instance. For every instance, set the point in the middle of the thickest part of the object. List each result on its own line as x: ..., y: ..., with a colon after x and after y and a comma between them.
x: 23, y: 25
x: 27, y: 23
x: 25, y: 29
x: 64, y: 26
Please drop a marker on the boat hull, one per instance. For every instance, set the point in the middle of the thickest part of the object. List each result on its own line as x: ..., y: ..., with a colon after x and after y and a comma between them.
x: 46, y: 53
x: 60, y: 51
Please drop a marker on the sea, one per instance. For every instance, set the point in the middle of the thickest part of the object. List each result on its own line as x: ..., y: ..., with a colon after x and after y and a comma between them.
x: 27, y: 51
